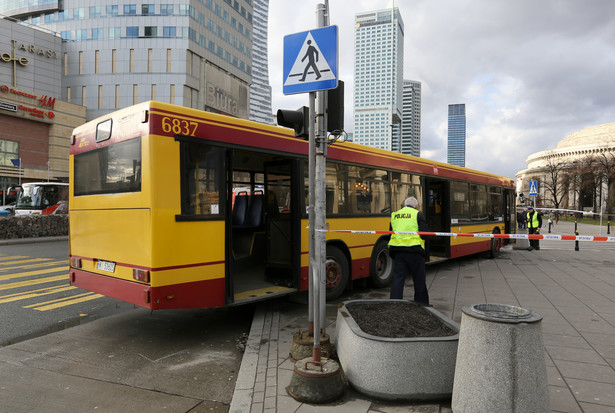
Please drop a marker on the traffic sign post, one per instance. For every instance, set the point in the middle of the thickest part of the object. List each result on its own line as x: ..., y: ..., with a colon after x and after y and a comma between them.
x: 310, y: 65
x: 533, y: 189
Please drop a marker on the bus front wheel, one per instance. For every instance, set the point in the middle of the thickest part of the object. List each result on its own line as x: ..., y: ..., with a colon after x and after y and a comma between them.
x: 336, y: 271
x: 381, y: 265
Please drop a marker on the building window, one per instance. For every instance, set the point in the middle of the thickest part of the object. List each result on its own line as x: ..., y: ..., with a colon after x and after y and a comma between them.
x: 112, y: 10
x: 130, y: 9
x: 65, y: 60
x: 168, y: 60
x: 100, y: 96
x: 94, y: 11
x: 151, y: 31
x: 166, y: 9
x: 131, y: 63
x: 80, y: 63
x: 172, y: 94
x: 115, y: 32
x: 117, y: 96
x: 132, y: 31
x: 83, y: 95
x: 153, y: 92
x: 148, y: 9
x: 150, y: 54
x: 168, y: 31
x: 79, y: 13
x: 113, y: 60
x: 66, y: 35
x: 135, y: 94
x: 8, y: 150
x: 96, y: 60
x: 97, y: 34
x: 81, y: 34
x: 49, y: 18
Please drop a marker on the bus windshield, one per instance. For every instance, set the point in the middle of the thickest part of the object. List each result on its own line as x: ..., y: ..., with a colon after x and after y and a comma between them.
x: 42, y: 198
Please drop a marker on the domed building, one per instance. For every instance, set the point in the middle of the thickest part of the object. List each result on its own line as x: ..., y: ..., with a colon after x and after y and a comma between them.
x: 579, y: 174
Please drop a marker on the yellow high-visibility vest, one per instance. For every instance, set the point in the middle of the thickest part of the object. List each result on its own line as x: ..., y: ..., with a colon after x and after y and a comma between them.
x: 534, y: 220
x: 405, y: 220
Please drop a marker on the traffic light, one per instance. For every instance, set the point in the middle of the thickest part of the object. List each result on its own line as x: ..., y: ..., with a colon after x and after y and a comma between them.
x: 296, y: 119
x: 335, y: 111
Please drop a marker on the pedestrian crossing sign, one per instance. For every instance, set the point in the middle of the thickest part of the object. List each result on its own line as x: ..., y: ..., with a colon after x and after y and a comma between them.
x: 533, y: 188
x: 310, y: 60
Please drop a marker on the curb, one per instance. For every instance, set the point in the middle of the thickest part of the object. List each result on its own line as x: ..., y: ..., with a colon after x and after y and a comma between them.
x: 17, y: 241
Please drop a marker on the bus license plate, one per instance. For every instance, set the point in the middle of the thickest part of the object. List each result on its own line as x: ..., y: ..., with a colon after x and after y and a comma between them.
x: 107, y: 266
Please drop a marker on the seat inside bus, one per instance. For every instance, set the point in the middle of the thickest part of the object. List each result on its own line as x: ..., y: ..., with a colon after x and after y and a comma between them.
x: 248, y: 225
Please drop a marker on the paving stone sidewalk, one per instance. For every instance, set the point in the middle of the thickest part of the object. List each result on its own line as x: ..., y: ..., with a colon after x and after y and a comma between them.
x: 574, y: 291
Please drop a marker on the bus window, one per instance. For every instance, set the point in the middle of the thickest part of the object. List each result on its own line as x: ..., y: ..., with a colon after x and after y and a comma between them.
x: 111, y: 169
x: 202, y: 180
x: 460, y: 207
x: 404, y: 186
x: 478, y: 202
x: 495, y: 204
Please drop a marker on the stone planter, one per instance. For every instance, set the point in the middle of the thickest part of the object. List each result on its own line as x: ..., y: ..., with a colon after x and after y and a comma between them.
x: 420, y: 368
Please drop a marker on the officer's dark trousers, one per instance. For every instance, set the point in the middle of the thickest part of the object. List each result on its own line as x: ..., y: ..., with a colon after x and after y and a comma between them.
x: 405, y: 262
x: 533, y: 242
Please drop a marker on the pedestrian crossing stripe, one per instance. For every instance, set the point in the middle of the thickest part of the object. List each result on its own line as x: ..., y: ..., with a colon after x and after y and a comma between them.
x: 300, y: 66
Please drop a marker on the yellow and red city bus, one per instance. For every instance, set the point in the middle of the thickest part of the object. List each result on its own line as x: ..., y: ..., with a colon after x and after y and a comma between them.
x: 156, y: 217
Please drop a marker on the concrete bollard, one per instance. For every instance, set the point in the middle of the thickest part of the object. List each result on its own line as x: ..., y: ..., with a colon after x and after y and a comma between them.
x: 500, y: 361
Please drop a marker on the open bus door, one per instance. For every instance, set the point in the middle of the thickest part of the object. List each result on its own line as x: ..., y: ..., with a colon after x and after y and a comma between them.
x: 282, y: 223
x: 262, y: 230
x: 437, y: 212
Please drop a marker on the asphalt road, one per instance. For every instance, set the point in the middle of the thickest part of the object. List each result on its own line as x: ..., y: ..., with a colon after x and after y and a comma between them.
x: 35, y: 295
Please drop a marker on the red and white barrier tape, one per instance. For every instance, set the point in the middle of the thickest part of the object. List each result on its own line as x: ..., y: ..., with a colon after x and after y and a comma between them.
x: 552, y: 237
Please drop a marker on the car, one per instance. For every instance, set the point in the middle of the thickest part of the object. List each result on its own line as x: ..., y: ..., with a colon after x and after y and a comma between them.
x: 7, y: 209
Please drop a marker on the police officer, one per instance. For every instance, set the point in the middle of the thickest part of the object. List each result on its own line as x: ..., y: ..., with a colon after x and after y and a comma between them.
x: 408, y: 251
x: 534, y: 223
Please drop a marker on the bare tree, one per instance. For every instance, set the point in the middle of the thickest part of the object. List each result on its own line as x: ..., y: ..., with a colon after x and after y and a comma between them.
x: 606, y: 163
x: 554, y: 184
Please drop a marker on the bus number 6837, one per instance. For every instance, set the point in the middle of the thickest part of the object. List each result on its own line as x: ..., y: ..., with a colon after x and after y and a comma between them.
x: 179, y: 127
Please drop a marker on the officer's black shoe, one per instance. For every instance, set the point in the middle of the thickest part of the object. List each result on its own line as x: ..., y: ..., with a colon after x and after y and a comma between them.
x: 530, y: 248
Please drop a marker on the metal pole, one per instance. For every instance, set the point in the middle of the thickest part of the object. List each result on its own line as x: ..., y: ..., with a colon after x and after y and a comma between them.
x: 312, y: 170
x: 319, y: 211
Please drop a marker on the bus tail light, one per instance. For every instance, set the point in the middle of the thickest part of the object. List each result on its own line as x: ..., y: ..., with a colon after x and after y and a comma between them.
x: 140, y: 275
x: 75, y: 262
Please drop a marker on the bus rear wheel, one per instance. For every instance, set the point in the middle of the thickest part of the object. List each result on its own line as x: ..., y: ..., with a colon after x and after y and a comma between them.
x: 381, y: 265
x: 336, y: 272
x: 496, y: 244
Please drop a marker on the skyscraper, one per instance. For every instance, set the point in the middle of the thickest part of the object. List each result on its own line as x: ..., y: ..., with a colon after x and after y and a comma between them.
x: 194, y: 53
x: 378, y: 77
x: 411, y: 119
x: 260, y: 90
x: 457, y: 134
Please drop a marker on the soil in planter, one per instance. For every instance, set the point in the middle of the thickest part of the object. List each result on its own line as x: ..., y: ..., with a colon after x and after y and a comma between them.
x: 397, y: 320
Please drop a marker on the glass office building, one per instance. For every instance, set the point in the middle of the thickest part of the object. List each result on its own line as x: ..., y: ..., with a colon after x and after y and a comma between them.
x: 195, y: 53
x: 411, y: 119
x: 378, y: 77
x: 457, y: 134
x: 260, y: 90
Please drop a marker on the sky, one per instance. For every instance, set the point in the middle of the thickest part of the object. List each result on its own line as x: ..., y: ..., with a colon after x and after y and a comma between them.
x: 530, y: 72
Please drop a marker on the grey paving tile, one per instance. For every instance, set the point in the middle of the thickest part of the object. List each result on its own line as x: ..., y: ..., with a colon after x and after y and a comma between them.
x: 574, y: 354
x: 554, y: 378
x: 593, y: 392
x: 562, y: 400
x: 585, y: 371
x: 565, y: 341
